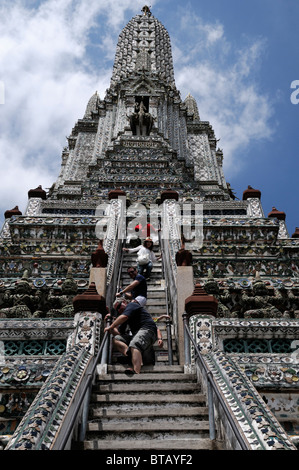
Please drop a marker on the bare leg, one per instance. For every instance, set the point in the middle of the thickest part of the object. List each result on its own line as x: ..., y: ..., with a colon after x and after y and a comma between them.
x: 136, y: 360
x: 120, y: 346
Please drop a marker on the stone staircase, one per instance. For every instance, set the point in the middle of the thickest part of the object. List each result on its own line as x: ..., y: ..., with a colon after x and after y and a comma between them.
x: 160, y: 409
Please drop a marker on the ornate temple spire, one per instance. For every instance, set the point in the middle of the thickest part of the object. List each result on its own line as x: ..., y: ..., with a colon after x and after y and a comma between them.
x: 143, y: 40
x: 192, y: 108
x: 91, y: 106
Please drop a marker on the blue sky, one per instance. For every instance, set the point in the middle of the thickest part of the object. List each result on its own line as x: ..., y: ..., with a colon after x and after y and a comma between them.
x: 238, y: 58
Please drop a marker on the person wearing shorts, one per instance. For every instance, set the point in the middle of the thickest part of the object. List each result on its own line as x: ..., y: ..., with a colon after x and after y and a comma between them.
x: 142, y: 326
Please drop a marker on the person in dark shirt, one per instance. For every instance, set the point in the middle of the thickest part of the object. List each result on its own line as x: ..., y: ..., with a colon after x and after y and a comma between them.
x: 137, y: 289
x: 142, y: 326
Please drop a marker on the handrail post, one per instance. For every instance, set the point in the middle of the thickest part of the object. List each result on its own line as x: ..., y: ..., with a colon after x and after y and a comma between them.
x: 186, y: 340
x: 110, y: 349
x: 85, y: 411
x: 211, y: 408
x: 169, y: 341
x: 106, y: 350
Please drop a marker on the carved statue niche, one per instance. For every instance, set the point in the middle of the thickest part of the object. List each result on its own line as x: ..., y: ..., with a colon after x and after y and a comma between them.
x: 22, y: 302
x: 212, y: 288
x: 141, y: 121
x: 62, y: 305
x: 261, y: 304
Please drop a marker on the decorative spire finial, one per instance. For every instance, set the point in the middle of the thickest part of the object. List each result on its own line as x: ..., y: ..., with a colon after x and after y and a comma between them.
x: 146, y: 10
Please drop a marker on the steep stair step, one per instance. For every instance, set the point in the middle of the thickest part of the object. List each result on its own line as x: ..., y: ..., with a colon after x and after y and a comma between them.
x: 156, y: 309
x: 165, y: 444
x: 155, y: 301
x: 143, y: 376
x: 113, y: 412
x: 156, y: 293
x: 145, y: 387
x: 154, y: 426
x: 162, y: 369
x: 148, y: 398
x: 127, y: 263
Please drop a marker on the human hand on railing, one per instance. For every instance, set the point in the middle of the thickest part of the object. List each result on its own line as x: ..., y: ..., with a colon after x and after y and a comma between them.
x: 108, y: 316
x: 163, y: 316
x: 112, y: 330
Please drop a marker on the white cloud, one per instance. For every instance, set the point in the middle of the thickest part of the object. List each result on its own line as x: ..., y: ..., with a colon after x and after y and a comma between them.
x: 202, y: 36
x: 222, y: 78
x: 214, y: 33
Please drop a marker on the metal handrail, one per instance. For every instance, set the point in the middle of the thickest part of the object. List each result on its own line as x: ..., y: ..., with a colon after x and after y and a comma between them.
x: 123, y: 242
x: 212, y: 387
x: 118, y: 286
x: 163, y: 271
x: 86, y: 388
x: 169, y: 341
x: 107, y: 353
x: 168, y: 321
x: 115, y: 281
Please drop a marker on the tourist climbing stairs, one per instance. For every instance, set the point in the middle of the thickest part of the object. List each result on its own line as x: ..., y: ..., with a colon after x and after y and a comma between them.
x: 156, y: 303
x: 162, y: 408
